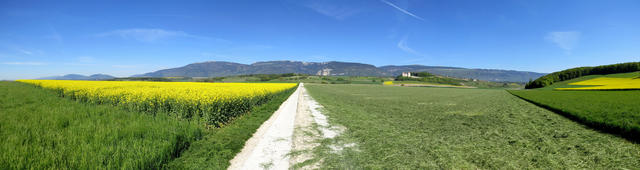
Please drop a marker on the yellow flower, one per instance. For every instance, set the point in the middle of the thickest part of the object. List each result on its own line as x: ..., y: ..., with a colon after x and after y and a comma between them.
x: 606, y: 83
x: 217, y: 102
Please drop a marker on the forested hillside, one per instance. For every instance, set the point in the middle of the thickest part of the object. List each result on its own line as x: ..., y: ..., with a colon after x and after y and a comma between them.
x: 582, y: 71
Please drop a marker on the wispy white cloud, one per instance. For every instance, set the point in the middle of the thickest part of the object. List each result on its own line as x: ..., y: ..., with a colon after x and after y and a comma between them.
x: 23, y: 51
x: 25, y: 63
x: 147, y: 35
x: 402, y: 10
x: 566, y: 40
x: 402, y: 44
x: 330, y: 10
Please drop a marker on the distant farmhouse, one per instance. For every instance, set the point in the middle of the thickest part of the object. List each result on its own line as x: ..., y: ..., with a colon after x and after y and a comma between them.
x: 408, y: 74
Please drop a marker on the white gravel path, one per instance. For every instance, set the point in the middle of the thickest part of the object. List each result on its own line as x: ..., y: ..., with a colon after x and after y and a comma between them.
x: 269, y: 146
x: 290, y: 128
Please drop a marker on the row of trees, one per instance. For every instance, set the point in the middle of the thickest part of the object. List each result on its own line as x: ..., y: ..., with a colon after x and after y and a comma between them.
x: 582, y: 71
x: 428, y: 77
x: 268, y: 77
x: 422, y: 74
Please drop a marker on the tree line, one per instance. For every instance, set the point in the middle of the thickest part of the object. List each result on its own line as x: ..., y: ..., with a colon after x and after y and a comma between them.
x: 428, y: 77
x: 582, y: 71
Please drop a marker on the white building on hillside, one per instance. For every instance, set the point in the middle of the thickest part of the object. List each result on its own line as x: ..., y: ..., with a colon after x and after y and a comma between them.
x: 406, y: 74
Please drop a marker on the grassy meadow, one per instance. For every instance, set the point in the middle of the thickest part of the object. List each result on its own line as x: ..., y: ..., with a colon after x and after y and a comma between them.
x: 448, y: 128
x: 612, y: 111
x: 40, y: 130
x: 604, y: 102
x: 158, y: 125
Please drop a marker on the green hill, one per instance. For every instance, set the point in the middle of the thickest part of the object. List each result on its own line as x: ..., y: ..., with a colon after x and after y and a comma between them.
x: 565, y: 84
x: 569, y: 74
x: 615, y: 112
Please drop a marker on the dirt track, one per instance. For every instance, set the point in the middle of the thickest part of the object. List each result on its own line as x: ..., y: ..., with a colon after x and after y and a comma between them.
x: 296, y: 126
x: 269, y: 146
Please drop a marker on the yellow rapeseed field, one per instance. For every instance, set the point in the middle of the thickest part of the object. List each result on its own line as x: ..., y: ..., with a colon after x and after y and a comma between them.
x: 388, y: 83
x: 215, y: 103
x: 606, y: 83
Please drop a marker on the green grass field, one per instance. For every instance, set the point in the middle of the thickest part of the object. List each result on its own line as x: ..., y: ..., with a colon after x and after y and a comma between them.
x: 392, y: 128
x: 615, y: 112
x: 448, y: 128
x: 42, y: 131
x: 612, y: 111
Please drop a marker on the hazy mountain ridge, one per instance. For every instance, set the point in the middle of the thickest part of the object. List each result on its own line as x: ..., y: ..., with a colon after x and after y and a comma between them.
x: 481, y: 74
x: 335, y: 68
x: 80, y: 77
x: 219, y: 69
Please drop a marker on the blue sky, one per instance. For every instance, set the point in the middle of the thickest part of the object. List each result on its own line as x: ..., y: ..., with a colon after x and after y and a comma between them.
x: 122, y: 38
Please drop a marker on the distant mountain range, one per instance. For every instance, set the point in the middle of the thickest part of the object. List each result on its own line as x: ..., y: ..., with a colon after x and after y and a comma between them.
x: 334, y: 68
x: 480, y: 74
x: 79, y: 77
